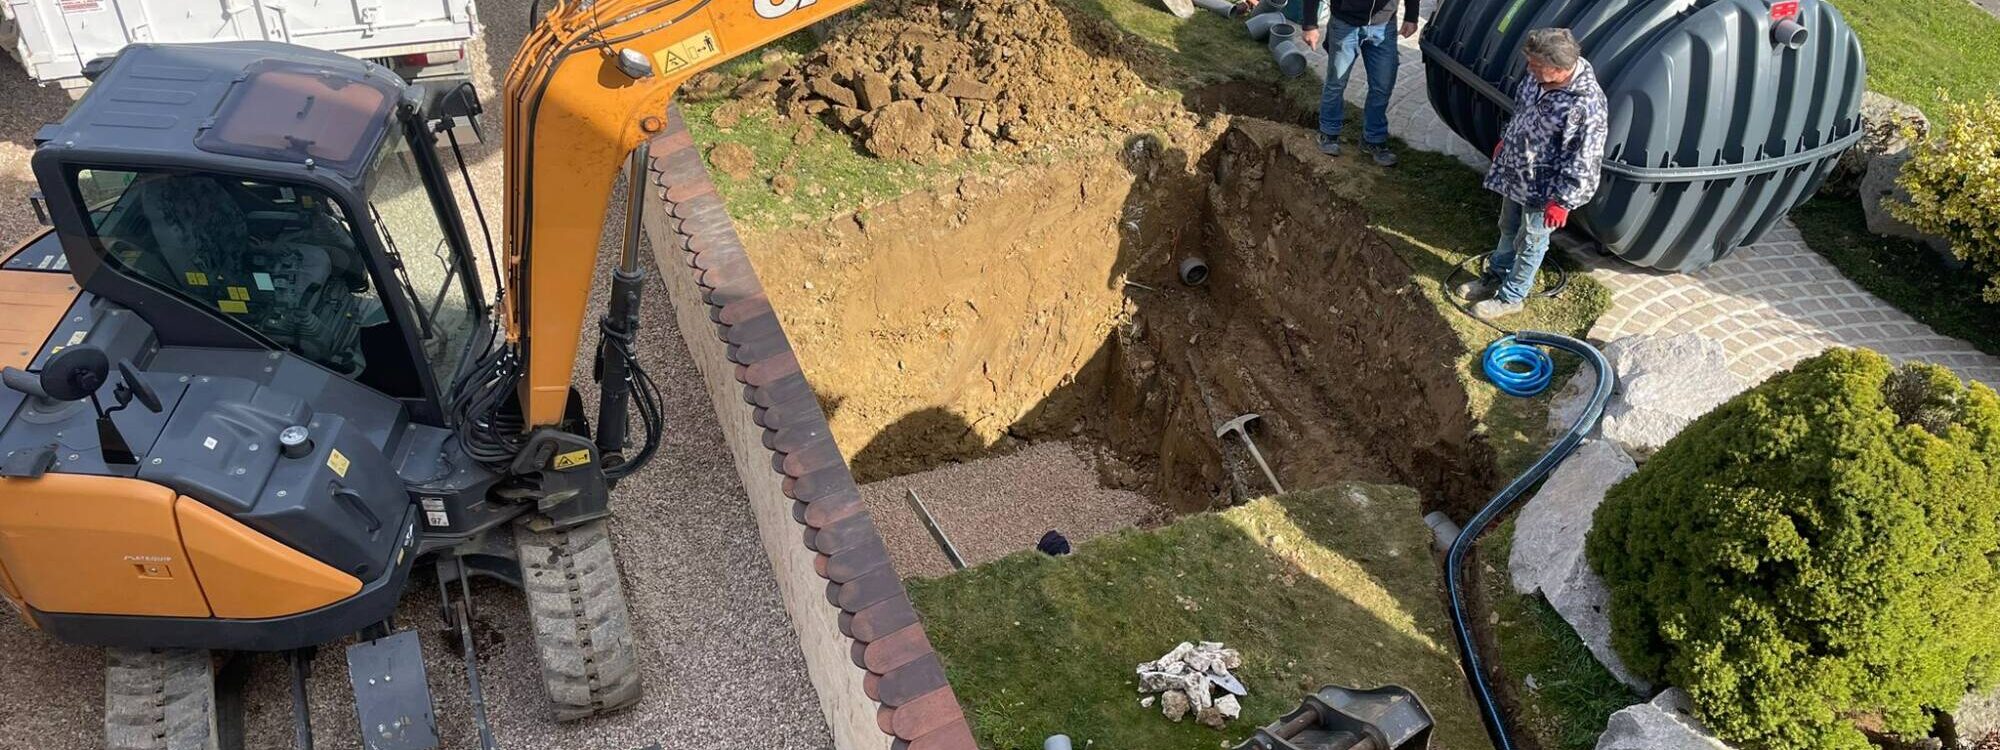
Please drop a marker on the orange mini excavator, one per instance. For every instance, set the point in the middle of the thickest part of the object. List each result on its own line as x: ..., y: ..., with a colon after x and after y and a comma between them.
x: 252, y: 379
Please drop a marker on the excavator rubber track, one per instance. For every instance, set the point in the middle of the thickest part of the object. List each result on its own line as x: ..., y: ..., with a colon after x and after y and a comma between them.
x: 583, y: 631
x: 159, y: 699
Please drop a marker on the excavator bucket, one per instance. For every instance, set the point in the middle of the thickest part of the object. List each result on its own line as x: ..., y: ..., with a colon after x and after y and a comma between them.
x: 1337, y: 718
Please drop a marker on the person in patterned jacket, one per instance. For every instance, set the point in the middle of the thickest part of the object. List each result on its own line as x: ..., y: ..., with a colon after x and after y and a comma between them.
x: 1545, y: 166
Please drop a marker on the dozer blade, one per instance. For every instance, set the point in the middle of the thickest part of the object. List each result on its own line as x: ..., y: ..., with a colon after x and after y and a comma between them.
x: 1337, y: 718
x: 391, y: 694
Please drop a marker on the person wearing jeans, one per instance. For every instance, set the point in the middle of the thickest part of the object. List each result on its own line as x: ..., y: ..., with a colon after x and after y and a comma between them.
x: 1357, y: 29
x: 1546, y: 165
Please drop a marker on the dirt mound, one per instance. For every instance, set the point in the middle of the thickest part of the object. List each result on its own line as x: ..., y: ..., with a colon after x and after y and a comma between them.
x: 924, y: 79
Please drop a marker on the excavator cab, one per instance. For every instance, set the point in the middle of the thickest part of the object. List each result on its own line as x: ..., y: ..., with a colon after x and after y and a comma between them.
x: 253, y: 410
x: 255, y: 380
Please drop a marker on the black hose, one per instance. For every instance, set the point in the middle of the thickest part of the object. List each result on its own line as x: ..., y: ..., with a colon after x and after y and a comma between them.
x: 1482, y: 692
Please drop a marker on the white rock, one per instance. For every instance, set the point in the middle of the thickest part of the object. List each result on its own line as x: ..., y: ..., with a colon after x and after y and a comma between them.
x: 1549, y: 533
x: 1667, y: 723
x: 1174, y: 704
x: 1978, y: 716
x: 1229, y: 707
x: 1199, y: 691
x: 1547, y: 556
x: 1147, y: 702
x: 1172, y: 657
x: 1663, y: 383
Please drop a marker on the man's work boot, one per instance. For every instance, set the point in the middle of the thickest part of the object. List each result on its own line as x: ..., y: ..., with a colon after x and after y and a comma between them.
x: 1477, y: 290
x: 1383, y: 156
x: 1329, y: 144
x: 1495, y: 309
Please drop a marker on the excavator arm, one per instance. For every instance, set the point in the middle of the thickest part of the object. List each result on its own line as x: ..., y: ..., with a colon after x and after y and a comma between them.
x: 592, y: 82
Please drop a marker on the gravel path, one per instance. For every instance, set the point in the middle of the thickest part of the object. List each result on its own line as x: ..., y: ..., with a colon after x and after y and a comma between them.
x: 722, y: 664
x: 994, y: 507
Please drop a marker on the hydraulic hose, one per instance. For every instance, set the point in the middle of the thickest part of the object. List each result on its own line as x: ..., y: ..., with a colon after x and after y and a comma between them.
x: 1482, y: 692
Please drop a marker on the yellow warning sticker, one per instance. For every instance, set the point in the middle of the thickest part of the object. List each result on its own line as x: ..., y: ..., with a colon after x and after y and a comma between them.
x: 239, y: 293
x: 687, y: 52
x: 337, y: 462
x: 572, y: 459
x: 197, y: 278
x: 232, y: 306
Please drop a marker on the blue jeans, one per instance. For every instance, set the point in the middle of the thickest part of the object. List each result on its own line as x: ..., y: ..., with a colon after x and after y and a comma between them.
x: 1518, y: 257
x: 1376, y: 46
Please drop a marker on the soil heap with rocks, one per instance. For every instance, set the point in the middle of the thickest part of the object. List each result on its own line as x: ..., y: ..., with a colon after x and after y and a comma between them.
x: 926, y: 79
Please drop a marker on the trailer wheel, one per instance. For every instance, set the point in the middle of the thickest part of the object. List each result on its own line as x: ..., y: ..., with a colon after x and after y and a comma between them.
x: 583, y: 632
x: 159, y: 699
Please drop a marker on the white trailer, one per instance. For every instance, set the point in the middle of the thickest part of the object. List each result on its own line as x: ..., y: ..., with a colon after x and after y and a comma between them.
x: 54, y: 39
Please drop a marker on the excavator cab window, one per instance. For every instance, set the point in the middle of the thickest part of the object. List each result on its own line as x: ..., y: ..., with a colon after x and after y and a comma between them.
x: 425, y: 260
x: 280, y: 259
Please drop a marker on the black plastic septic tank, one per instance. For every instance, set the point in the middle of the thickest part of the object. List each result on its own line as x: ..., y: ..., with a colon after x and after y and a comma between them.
x: 1725, y: 114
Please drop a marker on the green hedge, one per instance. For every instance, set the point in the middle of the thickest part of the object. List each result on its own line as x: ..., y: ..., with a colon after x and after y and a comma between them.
x: 1820, y: 549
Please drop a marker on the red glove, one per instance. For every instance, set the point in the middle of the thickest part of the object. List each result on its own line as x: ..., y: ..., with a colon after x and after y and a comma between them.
x: 1496, y: 150
x: 1555, y: 216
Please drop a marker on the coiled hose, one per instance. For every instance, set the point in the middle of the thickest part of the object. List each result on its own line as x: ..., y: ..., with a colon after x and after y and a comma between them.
x: 1489, y: 706
x: 1517, y: 369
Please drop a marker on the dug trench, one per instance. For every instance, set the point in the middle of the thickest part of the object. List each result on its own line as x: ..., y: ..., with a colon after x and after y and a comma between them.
x: 1044, y: 303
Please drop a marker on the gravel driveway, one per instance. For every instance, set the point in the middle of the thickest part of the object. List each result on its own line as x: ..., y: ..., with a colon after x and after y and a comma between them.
x: 723, y: 667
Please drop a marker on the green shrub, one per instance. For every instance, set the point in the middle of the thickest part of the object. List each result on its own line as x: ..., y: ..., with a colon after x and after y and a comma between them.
x: 1822, y: 547
x: 1954, y: 185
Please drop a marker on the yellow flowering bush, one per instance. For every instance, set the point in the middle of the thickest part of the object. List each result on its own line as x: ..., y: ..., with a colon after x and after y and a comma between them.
x: 1954, y: 185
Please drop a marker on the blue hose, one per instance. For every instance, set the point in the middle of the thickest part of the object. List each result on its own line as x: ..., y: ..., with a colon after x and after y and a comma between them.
x: 1497, y: 356
x: 1517, y: 369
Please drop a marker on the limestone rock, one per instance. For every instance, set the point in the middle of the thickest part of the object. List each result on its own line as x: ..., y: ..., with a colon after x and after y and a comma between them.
x: 1978, y: 717
x: 1174, y: 704
x: 1878, y: 189
x: 1547, y: 556
x: 1663, y: 383
x: 1667, y: 723
x: 1229, y: 706
x: 1183, y: 9
x: 1883, y: 123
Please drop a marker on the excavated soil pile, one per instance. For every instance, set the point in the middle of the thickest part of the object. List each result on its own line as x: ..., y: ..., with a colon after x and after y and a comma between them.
x: 957, y: 322
x: 925, y: 79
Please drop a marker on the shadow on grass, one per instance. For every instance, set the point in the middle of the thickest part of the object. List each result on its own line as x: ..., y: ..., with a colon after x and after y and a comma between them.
x: 1335, y: 585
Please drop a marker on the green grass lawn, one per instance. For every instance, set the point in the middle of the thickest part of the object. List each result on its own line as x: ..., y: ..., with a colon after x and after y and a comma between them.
x: 1917, y: 47
x: 1329, y: 586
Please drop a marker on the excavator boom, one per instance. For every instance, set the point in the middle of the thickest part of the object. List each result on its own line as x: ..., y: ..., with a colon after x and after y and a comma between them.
x: 592, y: 81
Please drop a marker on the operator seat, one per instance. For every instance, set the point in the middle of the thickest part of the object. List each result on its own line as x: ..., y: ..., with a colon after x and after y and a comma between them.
x: 199, y: 231
x: 203, y: 235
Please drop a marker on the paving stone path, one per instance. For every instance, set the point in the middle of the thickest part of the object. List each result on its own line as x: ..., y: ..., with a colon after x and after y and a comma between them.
x: 1771, y: 304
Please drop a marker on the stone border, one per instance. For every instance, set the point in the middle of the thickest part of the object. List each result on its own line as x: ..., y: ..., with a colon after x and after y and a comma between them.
x: 880, y: 684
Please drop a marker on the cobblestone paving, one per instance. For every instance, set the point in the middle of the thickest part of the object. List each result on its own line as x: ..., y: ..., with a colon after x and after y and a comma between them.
x: 1771, y: 304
